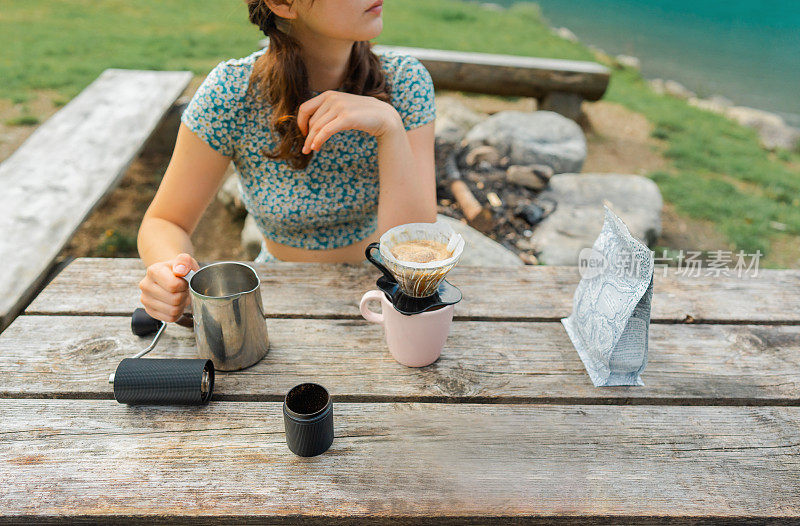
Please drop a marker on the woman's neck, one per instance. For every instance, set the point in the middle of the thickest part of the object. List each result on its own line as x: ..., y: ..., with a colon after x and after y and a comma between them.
x: 325, y: 58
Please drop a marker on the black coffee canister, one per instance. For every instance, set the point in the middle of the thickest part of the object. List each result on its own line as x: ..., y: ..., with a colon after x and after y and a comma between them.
x: 308, y: 419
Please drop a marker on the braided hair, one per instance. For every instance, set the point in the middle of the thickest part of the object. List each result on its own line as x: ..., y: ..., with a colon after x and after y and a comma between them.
x: 280, y: 78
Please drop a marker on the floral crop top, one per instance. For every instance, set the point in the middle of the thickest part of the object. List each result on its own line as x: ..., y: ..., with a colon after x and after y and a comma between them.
x: 334, y: 201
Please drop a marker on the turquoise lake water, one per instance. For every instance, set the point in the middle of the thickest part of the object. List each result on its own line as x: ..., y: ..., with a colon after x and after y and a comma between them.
x: 746, y: 50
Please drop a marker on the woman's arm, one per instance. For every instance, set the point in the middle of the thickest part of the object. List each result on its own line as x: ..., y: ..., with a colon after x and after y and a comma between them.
x: 192, y: 179
x: 194, y: 175
x: 405, y: 158
x: 407, y: 175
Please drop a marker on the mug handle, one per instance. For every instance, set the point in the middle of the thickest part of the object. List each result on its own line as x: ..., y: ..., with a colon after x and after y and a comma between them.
x: 369, y: 315
x: 381, y: 267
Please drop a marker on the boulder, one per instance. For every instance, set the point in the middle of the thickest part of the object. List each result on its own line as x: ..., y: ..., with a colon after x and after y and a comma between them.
x: 526, y: 138
x: 480, y: 250
x: 578, y: 217
x: 771, y: 128
x: 453, y: 121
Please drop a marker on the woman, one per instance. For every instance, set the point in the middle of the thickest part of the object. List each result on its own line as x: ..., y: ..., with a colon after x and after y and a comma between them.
x: 333, y: 145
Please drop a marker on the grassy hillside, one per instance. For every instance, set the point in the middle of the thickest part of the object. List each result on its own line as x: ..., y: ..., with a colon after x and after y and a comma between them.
x: 717, y: 169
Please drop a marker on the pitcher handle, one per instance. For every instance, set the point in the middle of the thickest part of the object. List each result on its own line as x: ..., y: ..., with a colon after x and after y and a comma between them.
x: 188, y: 277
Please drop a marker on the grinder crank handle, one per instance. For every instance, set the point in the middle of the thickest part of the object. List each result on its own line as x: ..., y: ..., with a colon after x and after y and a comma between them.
x: 149, y: 347
x: 143, y: 324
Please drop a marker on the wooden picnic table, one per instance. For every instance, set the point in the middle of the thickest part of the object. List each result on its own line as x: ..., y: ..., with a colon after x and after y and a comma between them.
x: 505, y: 425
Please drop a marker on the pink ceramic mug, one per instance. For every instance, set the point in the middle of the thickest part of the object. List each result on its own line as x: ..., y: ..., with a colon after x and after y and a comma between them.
x: 415, y: 340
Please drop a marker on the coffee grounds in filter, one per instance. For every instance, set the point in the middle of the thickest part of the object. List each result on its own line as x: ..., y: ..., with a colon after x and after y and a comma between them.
x: 420, y: 279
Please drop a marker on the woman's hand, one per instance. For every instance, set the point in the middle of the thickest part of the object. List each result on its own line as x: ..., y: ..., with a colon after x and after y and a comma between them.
x: 334, y: 111
x: 165, y: 294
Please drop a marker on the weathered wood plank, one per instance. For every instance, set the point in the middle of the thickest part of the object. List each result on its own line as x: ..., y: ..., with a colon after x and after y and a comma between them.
x: 67, y: 458
x: 544, y: 293
x: 65, y: 357
x: 509, y: 75
x: 55, y: 179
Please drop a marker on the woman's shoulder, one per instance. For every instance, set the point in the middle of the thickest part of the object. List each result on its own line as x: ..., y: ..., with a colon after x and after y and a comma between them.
x: 397, y: 63
x: 411, y: 86
x: 215, y: 111
x: 232, y: 76
x: 405, y: 73
x: 244, y: 63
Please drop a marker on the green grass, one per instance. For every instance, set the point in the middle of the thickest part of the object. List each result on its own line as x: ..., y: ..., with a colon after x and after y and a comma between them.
x: 23, y: 120
x: 114, y: 243
x: 64, y: 45
x: 717, y: 170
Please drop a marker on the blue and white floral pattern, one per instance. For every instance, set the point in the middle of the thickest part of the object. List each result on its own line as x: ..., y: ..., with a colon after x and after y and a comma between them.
x: 334, y: 201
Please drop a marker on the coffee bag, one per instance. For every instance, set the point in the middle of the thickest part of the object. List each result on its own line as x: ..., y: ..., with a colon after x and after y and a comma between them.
x: 610, y: 320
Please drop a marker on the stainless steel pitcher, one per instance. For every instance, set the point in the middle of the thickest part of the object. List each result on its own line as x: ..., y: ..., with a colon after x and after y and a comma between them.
x: 229, y: 323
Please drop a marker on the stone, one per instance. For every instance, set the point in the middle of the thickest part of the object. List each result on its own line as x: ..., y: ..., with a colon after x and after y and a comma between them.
x: 771, y: 128
x: 528, y: 177
x: 566, y: 104
x: 531, y: 212
x: 676, y: 89
x: 714, y: 104
x: 657, y: 85
x: 491, y: 6
x: 453, y: 121
x: 479, y: 249
x: 524, y: 244
x: 251, y: 237
x: 578, y: 217
x: 526, y: 138
x: 629, y: 61
x: 566, y: 34
x: 482, y: 154
x: 670, y: 87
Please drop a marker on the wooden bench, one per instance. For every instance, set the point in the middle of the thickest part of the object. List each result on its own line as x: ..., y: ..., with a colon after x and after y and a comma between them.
x: 57, y: 177
x: 558, y: 85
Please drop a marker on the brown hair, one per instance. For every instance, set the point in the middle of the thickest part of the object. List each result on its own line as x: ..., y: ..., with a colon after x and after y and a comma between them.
x: 280, y: 77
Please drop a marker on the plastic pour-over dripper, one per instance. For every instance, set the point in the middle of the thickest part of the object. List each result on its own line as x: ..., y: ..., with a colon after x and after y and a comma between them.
x: 446, y: 294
